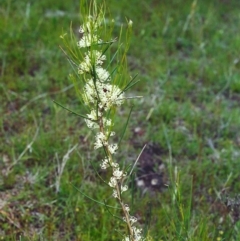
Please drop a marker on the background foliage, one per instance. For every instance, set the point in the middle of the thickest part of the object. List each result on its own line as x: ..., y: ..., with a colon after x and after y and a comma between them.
x: 187, y: 56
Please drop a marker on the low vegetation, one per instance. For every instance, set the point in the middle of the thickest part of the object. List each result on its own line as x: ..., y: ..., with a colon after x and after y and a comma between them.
x: 186, y: 184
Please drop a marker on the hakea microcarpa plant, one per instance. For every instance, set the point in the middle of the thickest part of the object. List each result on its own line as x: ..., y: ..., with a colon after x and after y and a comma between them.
x: 101, y: 95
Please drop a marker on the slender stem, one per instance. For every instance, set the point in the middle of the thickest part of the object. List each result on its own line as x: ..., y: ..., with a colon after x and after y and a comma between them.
x: 126, y: 214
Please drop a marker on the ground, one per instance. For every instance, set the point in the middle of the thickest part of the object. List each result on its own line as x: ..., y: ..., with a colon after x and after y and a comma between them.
x: 186, y: 183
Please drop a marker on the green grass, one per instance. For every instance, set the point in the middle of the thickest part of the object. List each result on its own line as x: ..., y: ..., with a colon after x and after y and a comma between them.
x: 188, y: 60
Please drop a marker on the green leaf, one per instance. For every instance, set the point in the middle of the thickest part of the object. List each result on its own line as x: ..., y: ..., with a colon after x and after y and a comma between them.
x: 73, y: 112
x: 100, y: 203
x: 125, y: 127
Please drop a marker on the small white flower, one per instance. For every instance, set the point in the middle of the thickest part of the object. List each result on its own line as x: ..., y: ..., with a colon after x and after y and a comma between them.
x: 89, y: 29
x: 91, y: 24
x: 112, y: 133
x: 99, y: 57
x: 132, y: 219
x: 91, y: 123
x: 127, y: 208
x: 136, y: 238
x: 102, y: 74
x: 115, y: 195
x: 114, y: 165
x: 130, y: 23
x: 81, y: 30
x: 92, y: 115
x: 110, y: 95
x: 105, y: 95
x: 88, y: 40
x: 90, y: 94
x: 116, y: 95
x: 100, y: 140
x: 93, y: 58
x: 108, y: 122
x: 118, y: 174
x: 85, y: 66
x: 124, y: 188
x: 113, y: 148
x: 112, y: 182
x: 137, y: 231
x: 105, y: 164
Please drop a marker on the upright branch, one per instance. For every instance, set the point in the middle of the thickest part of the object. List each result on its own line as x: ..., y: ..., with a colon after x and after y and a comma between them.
x: 101, y: 94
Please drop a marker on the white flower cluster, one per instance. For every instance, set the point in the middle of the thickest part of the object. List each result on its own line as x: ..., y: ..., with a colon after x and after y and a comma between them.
x: 136, y: 231
x: 100, y: 96
x: 98, y: 92
x: 94, y: 58
x: 137, y: 235
x: 89, y: 32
